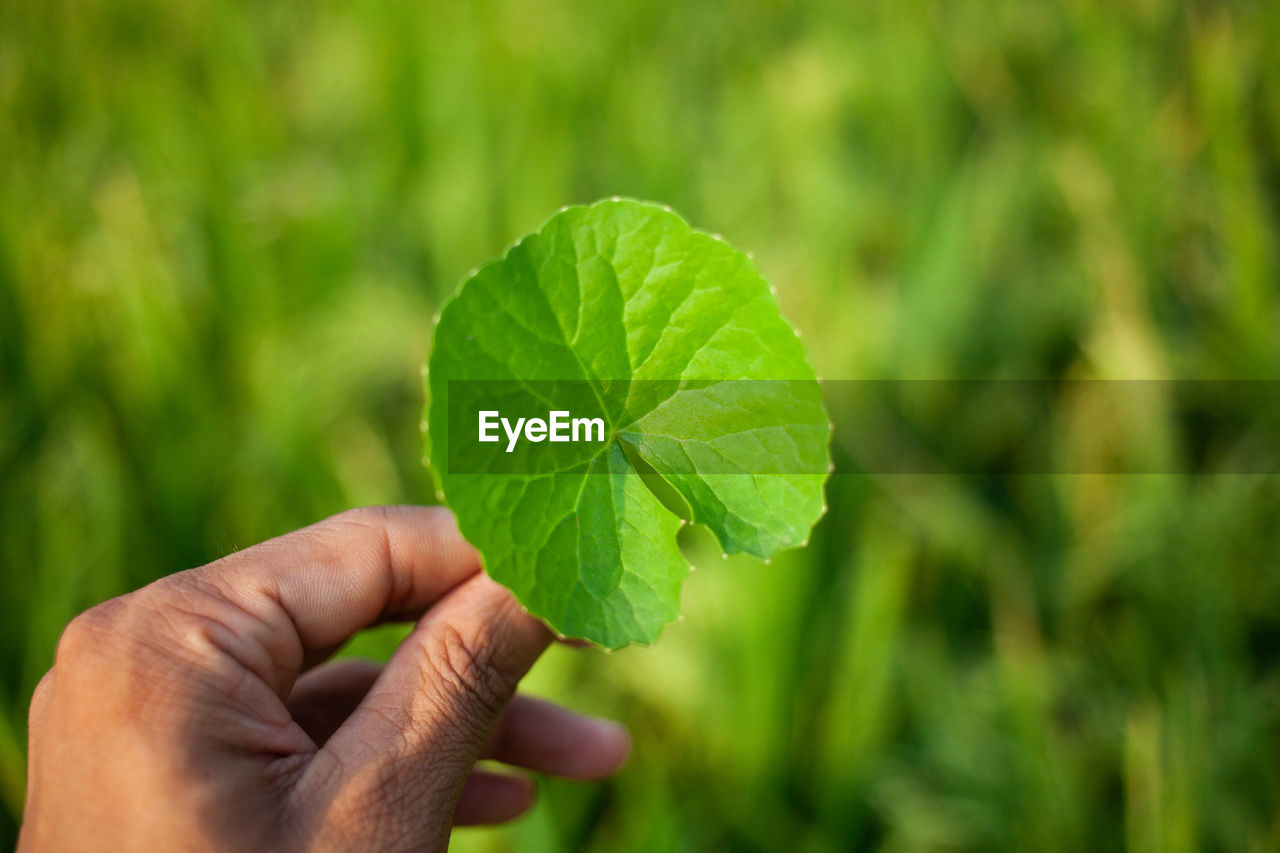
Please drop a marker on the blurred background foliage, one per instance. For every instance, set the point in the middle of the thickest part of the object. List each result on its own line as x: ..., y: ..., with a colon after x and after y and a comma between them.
x: 225, y: 228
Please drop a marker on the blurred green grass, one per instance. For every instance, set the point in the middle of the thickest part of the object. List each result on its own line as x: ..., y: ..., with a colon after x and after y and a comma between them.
x: 224, y: 230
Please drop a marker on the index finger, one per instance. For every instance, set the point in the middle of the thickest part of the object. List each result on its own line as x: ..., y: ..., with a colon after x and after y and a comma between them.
x: 314, y: 588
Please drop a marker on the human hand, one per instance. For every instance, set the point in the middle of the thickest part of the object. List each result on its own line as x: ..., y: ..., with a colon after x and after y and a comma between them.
x: 196, y: 713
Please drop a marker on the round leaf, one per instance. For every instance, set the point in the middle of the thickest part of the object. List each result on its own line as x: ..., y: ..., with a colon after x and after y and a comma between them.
x: 668, y: 336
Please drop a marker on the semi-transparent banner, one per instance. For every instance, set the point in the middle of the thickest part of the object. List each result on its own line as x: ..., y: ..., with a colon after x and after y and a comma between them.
x: 760, y: 427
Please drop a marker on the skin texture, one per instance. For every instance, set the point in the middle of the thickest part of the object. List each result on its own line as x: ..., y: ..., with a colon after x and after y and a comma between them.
x: 198, y: 713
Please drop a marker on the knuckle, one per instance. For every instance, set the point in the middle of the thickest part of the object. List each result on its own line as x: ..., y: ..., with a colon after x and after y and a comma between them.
x: 40, y: 698
x: 141, y: 629
x: 43, y: 686
x: 85, y: 635
x: 464, y: 666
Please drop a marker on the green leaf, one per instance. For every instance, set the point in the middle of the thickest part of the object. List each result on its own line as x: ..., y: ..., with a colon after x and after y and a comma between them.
x: 673, y: 340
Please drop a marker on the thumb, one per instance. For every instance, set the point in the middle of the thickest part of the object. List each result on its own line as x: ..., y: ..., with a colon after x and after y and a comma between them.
x: 397, y: 765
